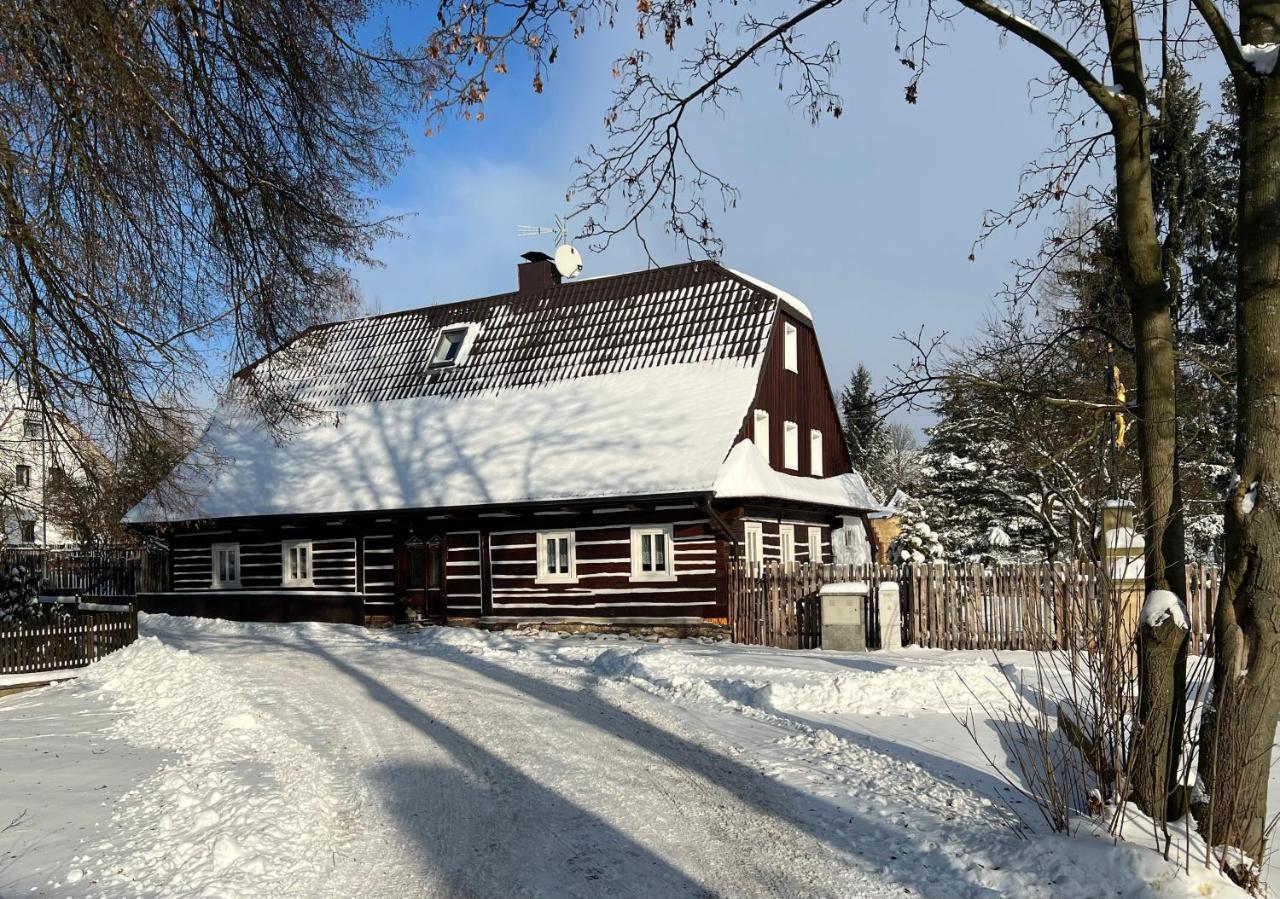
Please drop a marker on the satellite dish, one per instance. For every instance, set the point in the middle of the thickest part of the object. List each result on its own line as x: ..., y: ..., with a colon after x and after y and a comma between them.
x: 568, y: 261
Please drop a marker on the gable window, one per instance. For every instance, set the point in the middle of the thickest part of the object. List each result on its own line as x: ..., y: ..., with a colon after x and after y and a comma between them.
x: 226, y: 564
x: 753, y: 544
x: 760, y: 433
x: 815, y: 452
x: 22, y: 475
x: 296, y: 557
x: 453, y: 345
x: 815, y: 545
x: 651, y: 554
x: 790, y: 445
x: 31, y: 427
x: 790, y: 359
x: 787, y: 538
x: 27, y: 531
x: 557, y: 558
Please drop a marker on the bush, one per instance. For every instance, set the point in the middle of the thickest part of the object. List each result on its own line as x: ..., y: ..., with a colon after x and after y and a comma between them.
x: 19, y: 595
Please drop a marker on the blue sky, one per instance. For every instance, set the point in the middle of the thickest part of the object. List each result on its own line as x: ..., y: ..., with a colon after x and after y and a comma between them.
x: 869, y: 219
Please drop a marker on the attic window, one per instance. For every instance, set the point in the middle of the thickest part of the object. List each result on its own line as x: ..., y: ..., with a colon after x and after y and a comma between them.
x: 453, y: 345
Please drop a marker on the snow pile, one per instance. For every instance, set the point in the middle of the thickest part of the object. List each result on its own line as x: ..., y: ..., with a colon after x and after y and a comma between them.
x: 244, y: 808
x: 1250, y: 500
x: 1161, y: 605
x: 1262, y: 57
x: 903, y: 690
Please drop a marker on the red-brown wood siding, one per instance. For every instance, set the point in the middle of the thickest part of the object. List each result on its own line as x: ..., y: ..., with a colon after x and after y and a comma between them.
x: 803, y: 396
x: 604, y: 586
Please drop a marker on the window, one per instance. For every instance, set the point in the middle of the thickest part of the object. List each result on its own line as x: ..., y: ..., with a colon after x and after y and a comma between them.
x: 651, y: 554
x: 790, y: 445
x: 453, y: 345
x: 760, y: 433
x: 815, y: 452
x: 27, y: 531
x: 31, y: 427
x: 22, y: 475
x: 557, y: 558
x: 226, y: 564
x: 789, y: 361
x: 753, y: 544
x: 297, y: 563
x: 787, y: 538
x: 815, y: 545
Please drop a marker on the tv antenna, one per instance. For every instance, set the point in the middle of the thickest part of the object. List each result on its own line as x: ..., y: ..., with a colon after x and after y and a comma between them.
x: 568, y: 260
x: 560, y: 229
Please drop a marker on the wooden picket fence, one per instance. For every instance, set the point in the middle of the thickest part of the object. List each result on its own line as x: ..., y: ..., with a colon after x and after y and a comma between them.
x: 68, y: 635
x: 955, y: 606
x: 96, y: 571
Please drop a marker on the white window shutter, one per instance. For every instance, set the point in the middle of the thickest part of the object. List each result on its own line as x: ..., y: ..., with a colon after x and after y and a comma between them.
x: 815, y: 452
x: 790, y: 360
x: 790, y: 445
x: 760, y: 433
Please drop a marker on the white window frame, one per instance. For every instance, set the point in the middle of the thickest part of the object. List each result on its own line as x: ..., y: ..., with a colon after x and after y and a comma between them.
x: 790, y: 445
x: 545, y: 576
x: 19, y: 470
x: 215, y: 578
x: 753, y: 544
x: 815, y: 452
x: 467, y: 332
x: 668, y: 572
x: 760, y: 432
x: 288, y: 546
x: 787, y: 545
x: 790, y: 354
x: 815, y: 545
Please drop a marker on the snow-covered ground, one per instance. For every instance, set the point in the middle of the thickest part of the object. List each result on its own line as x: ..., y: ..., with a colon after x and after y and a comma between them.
x: 219, y: 759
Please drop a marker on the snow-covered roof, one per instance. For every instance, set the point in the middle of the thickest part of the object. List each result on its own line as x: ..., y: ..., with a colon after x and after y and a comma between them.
x: 634, y: 433
x: 625, y: 386
x: 746, y: 475
x: 788, y: 299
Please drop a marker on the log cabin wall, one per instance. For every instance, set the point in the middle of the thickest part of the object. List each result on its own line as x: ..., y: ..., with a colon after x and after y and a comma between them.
x: 464, y: 583
x: 803, y: 397
x: 604, y: 586
x: 335, y: 592
x: 772, y: 522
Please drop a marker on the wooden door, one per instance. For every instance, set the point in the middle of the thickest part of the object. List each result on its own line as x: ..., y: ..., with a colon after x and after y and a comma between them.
x: 420, y: 583
x: 435, y: 582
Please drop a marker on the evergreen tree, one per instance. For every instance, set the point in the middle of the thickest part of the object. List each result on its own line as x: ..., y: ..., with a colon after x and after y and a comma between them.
x: 917, y: 541
x: 19, y: 591
x: 865, y: 431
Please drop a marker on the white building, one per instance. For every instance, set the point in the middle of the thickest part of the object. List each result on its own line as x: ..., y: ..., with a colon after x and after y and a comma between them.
x: 35, y: 447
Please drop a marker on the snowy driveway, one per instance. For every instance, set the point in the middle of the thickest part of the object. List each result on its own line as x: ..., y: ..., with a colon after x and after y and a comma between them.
x: 307, y: 760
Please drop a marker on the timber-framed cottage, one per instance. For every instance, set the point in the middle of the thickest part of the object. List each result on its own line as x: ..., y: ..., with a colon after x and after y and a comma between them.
x: 592, y: 453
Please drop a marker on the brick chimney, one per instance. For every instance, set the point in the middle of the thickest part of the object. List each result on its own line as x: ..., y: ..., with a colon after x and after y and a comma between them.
x: 539, y: 273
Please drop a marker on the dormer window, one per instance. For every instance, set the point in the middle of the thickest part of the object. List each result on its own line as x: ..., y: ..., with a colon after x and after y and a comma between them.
x: 453, y: 345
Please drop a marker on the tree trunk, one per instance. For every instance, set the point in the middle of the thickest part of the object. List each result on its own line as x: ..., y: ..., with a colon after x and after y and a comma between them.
x: 1162, y: 691
x: 1239, y: 730
x: 1162, y: 670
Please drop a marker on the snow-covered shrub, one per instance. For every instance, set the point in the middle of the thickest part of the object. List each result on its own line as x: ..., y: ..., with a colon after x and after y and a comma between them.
x: 19, y: 595
x: 917, y: 541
